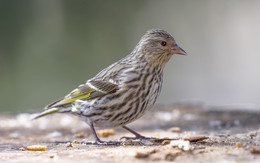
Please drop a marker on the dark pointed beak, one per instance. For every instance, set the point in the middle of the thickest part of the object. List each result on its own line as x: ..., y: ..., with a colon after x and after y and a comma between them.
x: 178, y: 50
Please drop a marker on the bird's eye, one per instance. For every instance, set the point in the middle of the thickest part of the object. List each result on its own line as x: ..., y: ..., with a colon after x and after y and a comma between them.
x: 163, y: 43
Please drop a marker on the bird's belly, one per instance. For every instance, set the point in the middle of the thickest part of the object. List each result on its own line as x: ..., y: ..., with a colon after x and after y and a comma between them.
x: 127, y: 110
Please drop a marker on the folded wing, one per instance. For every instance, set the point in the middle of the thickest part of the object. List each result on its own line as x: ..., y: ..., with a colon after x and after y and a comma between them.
x: 91, y: 89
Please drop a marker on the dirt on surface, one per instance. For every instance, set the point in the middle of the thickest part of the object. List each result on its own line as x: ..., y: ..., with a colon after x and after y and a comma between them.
x: 196, y: 134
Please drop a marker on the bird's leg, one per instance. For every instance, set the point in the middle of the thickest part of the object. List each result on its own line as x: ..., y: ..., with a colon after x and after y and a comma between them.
x: 97, y: 140
x: 139, y: 136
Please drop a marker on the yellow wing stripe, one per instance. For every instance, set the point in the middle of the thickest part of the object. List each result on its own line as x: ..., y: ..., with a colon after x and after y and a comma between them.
x: 90, y: 90
x: 77, y: 95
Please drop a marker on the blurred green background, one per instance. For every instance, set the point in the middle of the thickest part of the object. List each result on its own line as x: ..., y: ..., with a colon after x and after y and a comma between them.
x: 49, y: 47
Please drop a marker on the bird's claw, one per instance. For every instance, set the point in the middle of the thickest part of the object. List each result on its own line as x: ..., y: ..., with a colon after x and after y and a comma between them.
x: 138, y: 138
x: 141, y: 138
x: 100, y: 142
x: 108, y: 143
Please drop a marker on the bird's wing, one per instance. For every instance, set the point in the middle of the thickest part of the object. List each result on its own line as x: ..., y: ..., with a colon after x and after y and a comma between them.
x: 89, y: 90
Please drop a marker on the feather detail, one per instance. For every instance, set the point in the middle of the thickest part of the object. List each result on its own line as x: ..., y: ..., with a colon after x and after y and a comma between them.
x: 46, y: 112
x: 92, y: 89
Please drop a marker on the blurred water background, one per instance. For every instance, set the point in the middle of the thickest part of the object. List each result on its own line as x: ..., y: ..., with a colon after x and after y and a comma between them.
x: 47, y: 48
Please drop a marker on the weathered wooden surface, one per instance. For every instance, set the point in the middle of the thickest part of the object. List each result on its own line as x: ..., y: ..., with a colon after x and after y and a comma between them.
x: 233, y: 136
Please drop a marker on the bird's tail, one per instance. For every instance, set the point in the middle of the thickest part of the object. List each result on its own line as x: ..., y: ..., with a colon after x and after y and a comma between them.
x: 46, y: 112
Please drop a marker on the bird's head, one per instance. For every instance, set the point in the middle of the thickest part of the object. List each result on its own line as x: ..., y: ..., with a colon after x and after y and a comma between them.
x: 157, y: 46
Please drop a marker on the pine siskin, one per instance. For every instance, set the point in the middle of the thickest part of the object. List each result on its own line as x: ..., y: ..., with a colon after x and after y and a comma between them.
x: 124, y: 91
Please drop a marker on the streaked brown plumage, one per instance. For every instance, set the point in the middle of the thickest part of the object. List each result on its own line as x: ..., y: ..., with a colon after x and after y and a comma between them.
x: 124, y: 91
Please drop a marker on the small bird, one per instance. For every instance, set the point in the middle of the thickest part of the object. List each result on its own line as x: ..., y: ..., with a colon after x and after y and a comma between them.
x: 124, y: 91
